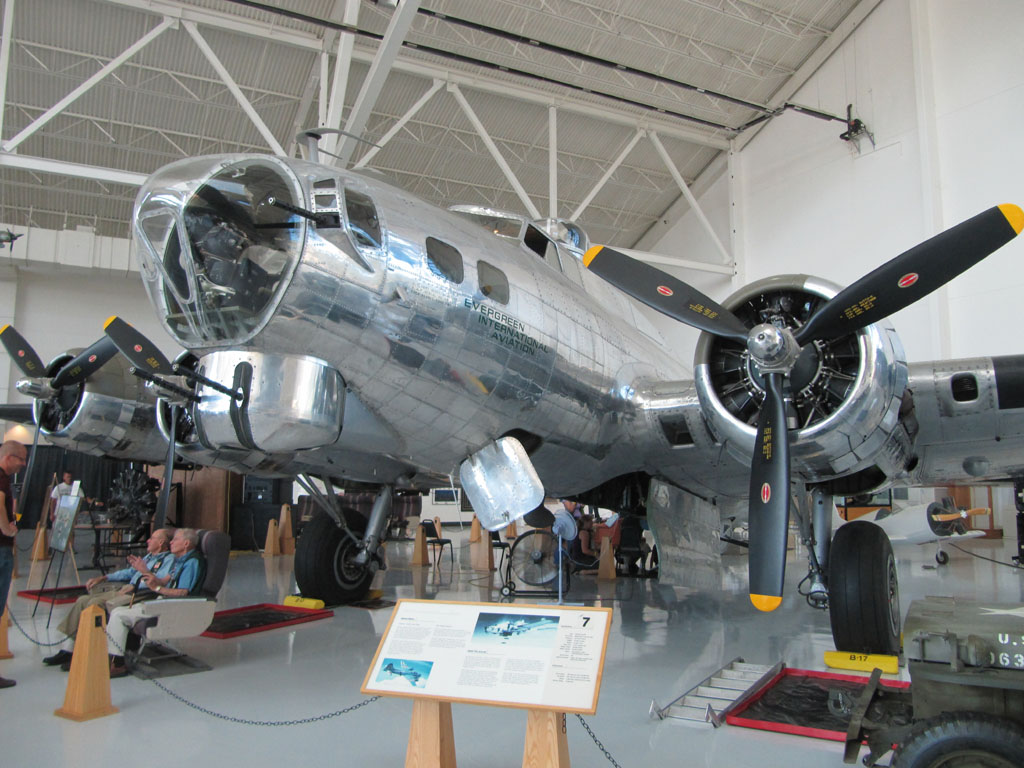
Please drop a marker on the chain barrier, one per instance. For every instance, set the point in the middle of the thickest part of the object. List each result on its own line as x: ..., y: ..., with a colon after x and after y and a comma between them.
x: 242, y: 720
x: 597, y: 741
x: 29, y: 637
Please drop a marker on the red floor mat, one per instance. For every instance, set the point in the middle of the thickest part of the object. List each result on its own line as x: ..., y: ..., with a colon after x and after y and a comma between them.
x: 259, y: 618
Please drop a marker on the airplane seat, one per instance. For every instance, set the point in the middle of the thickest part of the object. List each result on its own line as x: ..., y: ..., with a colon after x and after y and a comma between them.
x: 436, y: 543
x: 613, y: 531
x: 170, y: 618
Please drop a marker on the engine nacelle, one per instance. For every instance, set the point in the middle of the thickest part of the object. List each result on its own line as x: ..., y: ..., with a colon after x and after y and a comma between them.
x: 112, y: 413
x: 845, y: 395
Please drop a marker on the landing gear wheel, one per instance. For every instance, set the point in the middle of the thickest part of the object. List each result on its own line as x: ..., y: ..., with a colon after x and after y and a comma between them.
x: 325, y: 566
x: 863, y: 594
x: 506, y: 591
x: 941, y: 557
x: 961, y: 739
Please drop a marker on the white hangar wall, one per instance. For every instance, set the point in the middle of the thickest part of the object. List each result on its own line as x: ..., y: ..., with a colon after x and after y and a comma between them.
x: 940, y: 85
x: 58, y: 288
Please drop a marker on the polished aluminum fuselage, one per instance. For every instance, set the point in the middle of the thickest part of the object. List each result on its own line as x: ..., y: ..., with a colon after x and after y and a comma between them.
x: 375, y: 367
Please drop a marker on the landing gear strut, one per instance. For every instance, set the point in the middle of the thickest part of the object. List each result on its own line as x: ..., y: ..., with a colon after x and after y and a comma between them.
x: 339, y: 550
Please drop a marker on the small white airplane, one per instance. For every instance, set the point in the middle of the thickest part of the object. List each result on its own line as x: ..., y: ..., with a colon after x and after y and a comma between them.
x: 935, y: 522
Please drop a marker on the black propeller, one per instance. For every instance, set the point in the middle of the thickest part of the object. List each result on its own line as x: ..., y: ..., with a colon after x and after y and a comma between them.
x: 142, y: 353
x: 21, y: 352
x: 21, y: 413
x: 893, y: 286
x: 85, y: 363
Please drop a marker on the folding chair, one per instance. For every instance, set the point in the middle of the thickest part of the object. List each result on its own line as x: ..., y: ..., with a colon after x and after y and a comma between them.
x: 434, y: 540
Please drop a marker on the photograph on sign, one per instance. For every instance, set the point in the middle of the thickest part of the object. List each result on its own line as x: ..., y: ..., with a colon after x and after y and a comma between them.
x: 531, y: 656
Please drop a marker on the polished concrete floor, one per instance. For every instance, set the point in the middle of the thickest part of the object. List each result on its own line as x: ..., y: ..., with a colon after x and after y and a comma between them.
x: 662, y: 642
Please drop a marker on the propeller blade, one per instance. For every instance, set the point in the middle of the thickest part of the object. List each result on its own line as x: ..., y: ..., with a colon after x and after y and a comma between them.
x: 19, y: 412
x: 769, y: 499
x: 142, y: 353
x: 914, y: 274
x: 21, y: 352
x: 663, y: 292
x: 86, y: 363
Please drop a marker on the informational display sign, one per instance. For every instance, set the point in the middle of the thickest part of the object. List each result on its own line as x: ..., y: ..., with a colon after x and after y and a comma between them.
x: 529, y: 656
x: 63, y: 520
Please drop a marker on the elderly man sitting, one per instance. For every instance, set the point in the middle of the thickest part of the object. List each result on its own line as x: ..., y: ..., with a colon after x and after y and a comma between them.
x: 121, y: 587
x: 183, y: 579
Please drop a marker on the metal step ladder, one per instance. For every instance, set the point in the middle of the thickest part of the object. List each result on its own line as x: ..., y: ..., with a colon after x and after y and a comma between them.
x: 714, y: 697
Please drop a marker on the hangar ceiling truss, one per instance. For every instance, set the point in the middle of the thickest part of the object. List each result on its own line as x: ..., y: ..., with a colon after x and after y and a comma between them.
x: 597, y: 110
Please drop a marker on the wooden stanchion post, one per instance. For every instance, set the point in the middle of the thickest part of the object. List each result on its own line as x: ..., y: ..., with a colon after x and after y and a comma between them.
x: 474, y: 530
x: 5, y: 649
x: 511, y: 532
x: 88, y: 691
x: 40, y: 550
x: 606, y: 561
x: 431, y: 736
x: 481, y: 554
x: 272, y: 546
x: 287, y: 539
x: 419, y: 548
x: 546, y: 743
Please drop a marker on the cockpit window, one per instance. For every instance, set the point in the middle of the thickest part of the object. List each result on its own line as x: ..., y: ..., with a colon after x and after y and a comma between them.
x: 362, y: 220
x: 445, y: 260
x: 223, y: 251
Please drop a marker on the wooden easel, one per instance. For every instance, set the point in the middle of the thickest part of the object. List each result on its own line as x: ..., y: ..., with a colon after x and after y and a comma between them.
x: 432, y: 737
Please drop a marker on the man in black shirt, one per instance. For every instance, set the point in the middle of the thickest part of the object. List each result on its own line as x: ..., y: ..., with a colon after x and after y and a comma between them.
x: 13, y: 457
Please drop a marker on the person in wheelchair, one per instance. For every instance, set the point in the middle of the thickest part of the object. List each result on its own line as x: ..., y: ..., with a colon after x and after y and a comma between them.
x: 184, y: 577
x: 115, y: 589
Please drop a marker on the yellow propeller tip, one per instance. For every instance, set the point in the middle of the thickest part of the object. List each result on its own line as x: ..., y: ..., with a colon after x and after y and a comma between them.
x: 1014, y: 215
x: 110, y: 319
x: 590, y: 254
x: 766, y: 602
x: 8, y: 325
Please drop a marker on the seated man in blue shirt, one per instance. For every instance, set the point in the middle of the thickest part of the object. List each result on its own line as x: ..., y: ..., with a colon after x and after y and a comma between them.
x: 118, y: 588
x: 184, y: 578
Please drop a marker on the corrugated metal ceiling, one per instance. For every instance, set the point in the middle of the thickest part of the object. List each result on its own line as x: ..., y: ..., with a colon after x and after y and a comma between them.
x: 167, y: 101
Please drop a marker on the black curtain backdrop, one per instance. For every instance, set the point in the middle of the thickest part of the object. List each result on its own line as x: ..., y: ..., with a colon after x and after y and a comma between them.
x: 96, y: 474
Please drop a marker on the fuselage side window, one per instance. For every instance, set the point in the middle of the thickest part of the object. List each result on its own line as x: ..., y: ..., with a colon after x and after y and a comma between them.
x: 444, y: 260
x: 363, y: 222
x: 493, y: 283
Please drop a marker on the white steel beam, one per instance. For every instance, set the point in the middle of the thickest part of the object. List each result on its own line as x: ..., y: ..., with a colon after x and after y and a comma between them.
x: 313, y: 43
x: 495, y: 153
x: 339, y: 84
x: 552, y: 162
x: 113, y: 64
x: 44, y: 165
x: 607, y: 175
x: 5, y: 56
x: 398, y: 27
x: 393, y: 131
x: 229, y: 81
x: 694, y: 205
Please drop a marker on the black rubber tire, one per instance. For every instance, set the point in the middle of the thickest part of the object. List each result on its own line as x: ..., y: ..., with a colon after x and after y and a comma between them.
x: 962, y: 740
x: 323, y: 560
x: 506, y: 591
x: 941, y: 557
x: 863, y: 591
